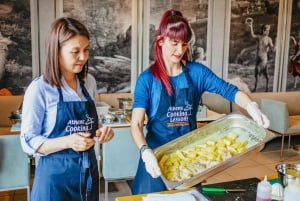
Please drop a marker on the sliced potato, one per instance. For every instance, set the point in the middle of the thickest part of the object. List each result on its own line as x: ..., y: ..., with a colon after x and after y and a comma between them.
x: 184, y: 164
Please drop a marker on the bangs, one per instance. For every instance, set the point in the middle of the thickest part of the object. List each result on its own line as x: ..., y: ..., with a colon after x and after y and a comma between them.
x: 179, y: 31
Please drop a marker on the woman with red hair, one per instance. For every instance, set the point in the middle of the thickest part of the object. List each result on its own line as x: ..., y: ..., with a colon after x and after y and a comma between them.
x: 169, y: 93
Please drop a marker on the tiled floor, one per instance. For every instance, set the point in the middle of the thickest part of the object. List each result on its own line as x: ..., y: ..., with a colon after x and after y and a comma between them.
x: 254, y: 165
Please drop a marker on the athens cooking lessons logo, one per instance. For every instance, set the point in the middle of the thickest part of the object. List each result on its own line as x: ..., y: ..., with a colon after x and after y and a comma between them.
x: 75, y: 126
x: 179, y: 115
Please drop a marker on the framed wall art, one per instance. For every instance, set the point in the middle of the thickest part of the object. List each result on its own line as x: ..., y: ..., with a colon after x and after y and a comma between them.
x: 113, y: 48
x: 17, y: 54
x: 196, y: 11
x: 252, y: 43
x: 292, y: 65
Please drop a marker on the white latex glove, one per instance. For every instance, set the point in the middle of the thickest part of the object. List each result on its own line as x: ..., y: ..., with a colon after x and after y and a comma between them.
x: 151, y: 163
x: 257, y: 115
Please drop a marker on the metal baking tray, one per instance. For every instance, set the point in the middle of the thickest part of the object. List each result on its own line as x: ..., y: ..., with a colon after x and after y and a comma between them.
x: 246, y: 129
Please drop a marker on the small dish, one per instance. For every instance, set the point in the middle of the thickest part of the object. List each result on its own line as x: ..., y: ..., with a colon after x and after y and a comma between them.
x: 287, y: 173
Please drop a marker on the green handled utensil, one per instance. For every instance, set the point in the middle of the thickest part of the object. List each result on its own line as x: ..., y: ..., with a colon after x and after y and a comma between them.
x: 220, y: 190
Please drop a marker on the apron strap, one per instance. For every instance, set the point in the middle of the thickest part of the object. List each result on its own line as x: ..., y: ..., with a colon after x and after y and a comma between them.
x: 84, y: 90
x: 192, y: 98
x: 86, y: 174
x: 61, y: 99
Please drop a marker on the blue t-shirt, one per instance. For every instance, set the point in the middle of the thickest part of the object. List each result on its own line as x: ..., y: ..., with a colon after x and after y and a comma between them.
x: 148, y: 89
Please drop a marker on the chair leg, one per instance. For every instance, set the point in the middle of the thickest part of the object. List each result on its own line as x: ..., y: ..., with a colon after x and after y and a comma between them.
x: 28, y: 193
x: 99, y: 187
x: 106, y: 191
x: 282, y: 146
x: 12, y: 197
x: 289, y: 144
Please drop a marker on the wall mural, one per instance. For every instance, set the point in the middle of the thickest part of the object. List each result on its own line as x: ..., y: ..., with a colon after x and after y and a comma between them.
x: 253, y: 32
x: 109, y: 24
x: 294, y: 49
x: 15, y: 46
x: 196, y: 11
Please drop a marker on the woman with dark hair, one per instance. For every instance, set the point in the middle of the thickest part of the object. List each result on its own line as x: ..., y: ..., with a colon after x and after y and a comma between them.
x: 59, y: 119
x: 169, y: 93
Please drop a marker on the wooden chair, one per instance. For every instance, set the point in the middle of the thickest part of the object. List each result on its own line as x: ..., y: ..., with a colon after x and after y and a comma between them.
x: 280, y: 120
x: 14, y: 165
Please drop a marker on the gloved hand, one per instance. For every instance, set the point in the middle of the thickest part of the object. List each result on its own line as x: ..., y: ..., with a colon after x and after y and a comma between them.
x: 151, y: 163
x: 257, y: 115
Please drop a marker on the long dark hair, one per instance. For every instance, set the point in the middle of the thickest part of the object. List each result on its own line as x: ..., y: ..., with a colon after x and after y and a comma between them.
x: 60, y: 31
x: 175, y: 26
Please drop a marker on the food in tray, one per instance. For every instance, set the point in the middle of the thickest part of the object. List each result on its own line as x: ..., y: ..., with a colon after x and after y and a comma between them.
x: 293, y: 172
x: 186, y: 163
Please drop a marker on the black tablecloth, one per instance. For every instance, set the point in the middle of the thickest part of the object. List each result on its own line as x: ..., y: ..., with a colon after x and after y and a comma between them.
x: 249, y: 184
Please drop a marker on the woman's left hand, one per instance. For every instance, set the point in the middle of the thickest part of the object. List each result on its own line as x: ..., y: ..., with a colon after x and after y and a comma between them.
x: 260, y: 118
x: 105, y: 134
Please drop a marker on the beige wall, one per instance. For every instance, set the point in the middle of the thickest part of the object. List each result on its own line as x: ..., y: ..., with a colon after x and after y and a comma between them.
x: 112, y: 99
x: 7, y: 105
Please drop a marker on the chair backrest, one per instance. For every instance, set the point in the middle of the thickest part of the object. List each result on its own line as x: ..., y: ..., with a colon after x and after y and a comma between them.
x: 120, y: 156
x: 216, y: 103
x: 14, y: 164
x: 277, y: 112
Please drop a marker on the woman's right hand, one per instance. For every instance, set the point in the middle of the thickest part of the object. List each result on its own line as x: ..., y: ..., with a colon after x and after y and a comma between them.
x: 105, y: 134
x: 80, y: 141
x: 151, y: 163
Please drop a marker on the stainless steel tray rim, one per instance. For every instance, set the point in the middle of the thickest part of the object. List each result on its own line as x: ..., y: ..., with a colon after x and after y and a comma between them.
x: 238, y: 122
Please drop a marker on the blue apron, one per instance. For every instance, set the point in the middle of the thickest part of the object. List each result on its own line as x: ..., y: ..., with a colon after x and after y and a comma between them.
x: 68, y: 175
x: 176, y: 116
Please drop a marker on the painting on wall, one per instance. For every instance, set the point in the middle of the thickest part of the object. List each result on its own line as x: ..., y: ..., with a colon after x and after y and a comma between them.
x: 196, y: 11
x: 252, y: 43
x: 15, y: 46
x: 110, y: 25
x: 294, y: 49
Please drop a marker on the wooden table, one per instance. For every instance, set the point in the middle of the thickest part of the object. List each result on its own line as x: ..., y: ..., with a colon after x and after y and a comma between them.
x: 140, y: 196
x: 7, y: 131
x: 250, y: 184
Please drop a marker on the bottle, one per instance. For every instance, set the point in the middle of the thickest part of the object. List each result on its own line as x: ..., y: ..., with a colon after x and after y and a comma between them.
x: 292, y: 190
x: 277, y: 192
x: 264, y: 190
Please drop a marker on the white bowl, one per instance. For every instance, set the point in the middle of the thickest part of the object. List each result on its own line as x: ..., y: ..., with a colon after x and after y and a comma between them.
x: 102, y: 108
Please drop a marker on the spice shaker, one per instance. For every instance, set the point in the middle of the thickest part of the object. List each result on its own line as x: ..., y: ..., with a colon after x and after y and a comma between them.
x: 264, y: 190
